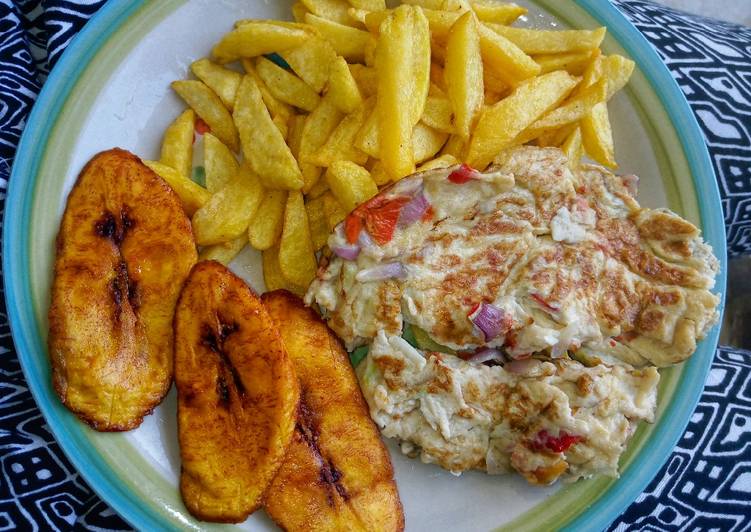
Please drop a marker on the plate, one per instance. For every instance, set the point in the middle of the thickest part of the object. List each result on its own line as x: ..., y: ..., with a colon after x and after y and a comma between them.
x: 111, y: 88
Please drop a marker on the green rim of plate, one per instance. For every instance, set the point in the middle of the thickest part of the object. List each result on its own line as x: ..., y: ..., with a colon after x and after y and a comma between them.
x: 96, y: 469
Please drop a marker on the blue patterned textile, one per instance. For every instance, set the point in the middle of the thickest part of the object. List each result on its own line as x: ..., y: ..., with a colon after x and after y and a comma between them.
x: 706, y: 483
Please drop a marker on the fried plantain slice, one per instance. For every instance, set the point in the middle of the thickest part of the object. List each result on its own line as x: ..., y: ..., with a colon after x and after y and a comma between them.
x: 124, y: 249
x: 337, y: 474
x: 237, y: 395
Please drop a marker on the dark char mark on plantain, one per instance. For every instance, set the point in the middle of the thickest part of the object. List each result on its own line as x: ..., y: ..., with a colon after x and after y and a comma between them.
x: 215, y: 342
x: 329, y: 475
x: 121, y: 287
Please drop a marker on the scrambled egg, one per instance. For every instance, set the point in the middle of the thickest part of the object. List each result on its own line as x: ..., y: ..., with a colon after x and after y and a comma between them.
x: 570, y: 265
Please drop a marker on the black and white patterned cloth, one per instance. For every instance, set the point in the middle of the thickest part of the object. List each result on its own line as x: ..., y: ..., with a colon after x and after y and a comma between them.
x: 706, y: 483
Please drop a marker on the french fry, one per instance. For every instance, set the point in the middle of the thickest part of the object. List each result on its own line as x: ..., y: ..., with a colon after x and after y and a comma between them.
x: 266, y: 226
x: 394, y: 62
x: 318, y: 127
x: 444, y: 161
x: 572, y: 62
x: 210, y: 108
x: 340, y: 144
x: 177, y: 145
x: 192, y: 195
x: 439, y: 21
x: 219, y: 162
x: 367, y: 139
x: 369, y: 5
x: 343, y: 88
x: 319, y: 229
x: 222, y: 81
x: 550, y: 41
x: 446, y: 5
x: 299, y: 11
x: 426, y: 142
x: 617, y: 69
x: 366, y: 79
x: 438, y: 76
x: 335, y: 10
x: 350, y: 183
x: 463, y: 72
x: 227, y: 214
x: 499, y: 125
x: 263, y: 145
x: 357, y: 16
x: 575, y: 108
x: 346, y: 40
x: 438, y: 114
x: 505, y: 59
x: 254, y: 38
x: 297, y: 259
x: 378, y: 173
x: 280, y: 112
x: 496, y: 12
x: 573, y: 148
x: 224, y: 252
x: 455, y: 147
x: 421, y: 60
x: 597, y: 136
x: 319, y: 188
x: 287, y: 87
x: 311, y: 61
x: 272, y: 273
x: 335, y: 213
x: 310, y: 172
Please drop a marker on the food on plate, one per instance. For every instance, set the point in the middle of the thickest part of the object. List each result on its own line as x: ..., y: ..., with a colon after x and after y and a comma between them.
x: 527, y: 259
x: 124, y: 249
x: 355, y: 96
x: 337, y: 473
x: 237, y: 395
x: 542, y: 419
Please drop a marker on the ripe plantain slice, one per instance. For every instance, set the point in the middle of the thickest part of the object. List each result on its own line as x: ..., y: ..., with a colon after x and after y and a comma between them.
x: 337, y: 474
x: 237, y: 395
x: 124, y: 249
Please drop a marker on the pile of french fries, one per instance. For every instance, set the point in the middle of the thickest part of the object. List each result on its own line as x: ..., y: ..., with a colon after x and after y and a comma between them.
x: 303, y: 121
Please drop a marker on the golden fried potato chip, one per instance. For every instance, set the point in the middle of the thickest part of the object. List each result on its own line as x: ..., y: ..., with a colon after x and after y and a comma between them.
x: 319, y: 228
x: 369, y: 5
x: 438, y: 114
x: 463, y: 71
x: 575, y: 108
x: 346, y: 40
x: 227, y: 214
x: 222, y: 81
x: 573, y: 148
x: 192, y: 195
x: 177, y: 145
x: 219, y: 163
x: 311, y: 61
x: 597, y: 136
x: 272, y: 273
x: 318, y: 127
x: 501, y: 124
x: 491, y: 11
x: 505, y: 59
x: 343, y: 88
x: 426, y: 142
x: 534, y: 41
x: 224, y: 252
x: 287, y: 87
x: 210, y: 108
x: 572, y: 62
x: 258, y: 37
x: 297, y: 259
x: 335, y: 213
x: 444, y: 161
x: 263, y: 145
x: 266, y: 226
x: 319, y: 188
x: 350, y: 183
x: 366, y: 79
x: 335, y: 10
x: 340, y: 144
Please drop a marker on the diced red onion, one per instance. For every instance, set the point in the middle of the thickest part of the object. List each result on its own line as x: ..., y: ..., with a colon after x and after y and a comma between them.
x: 390, y: 270
x: 485, y: 355
x: 365, y: 240
x: 521, y: 366
x: 347, y: 251
x: 414, y: 210
x: 490, y: 319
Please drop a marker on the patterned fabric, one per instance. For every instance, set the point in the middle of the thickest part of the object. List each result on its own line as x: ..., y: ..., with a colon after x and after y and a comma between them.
x: 706, y: 483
